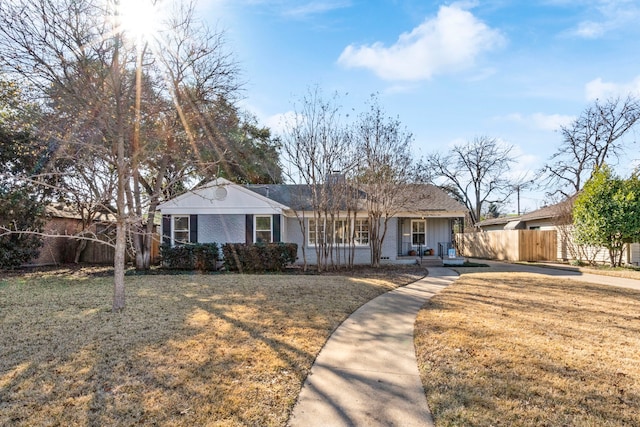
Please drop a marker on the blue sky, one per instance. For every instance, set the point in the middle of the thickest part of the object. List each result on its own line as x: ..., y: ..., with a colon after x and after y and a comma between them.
x: 513, y: 70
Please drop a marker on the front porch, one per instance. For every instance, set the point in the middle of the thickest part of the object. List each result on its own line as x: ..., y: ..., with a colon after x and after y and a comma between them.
x: 427, y: 241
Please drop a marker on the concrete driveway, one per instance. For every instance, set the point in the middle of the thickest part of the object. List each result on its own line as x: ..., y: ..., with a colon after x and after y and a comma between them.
x: 562, y: 273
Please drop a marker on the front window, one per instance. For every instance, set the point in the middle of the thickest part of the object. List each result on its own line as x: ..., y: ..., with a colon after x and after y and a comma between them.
x: 264, y: 231
x: 339, y: 232
x: 316, y: 232
x: 418, y: 233
x: 362, y: 232
x: 180, y: 230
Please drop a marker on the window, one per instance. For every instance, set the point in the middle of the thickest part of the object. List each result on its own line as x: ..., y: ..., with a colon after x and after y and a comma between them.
x: 264, y: 232
x: 362, y: 232
x: 180, y: 230
x: 418, y: 232
x: 340, y: 232
x: 315, y: 232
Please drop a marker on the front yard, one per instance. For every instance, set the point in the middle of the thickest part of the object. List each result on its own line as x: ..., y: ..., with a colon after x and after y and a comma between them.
x: 494, y: 348
x: 517, y: 349
x: 188, y: 350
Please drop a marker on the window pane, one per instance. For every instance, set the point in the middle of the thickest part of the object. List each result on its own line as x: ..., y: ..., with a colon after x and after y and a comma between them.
x: 418, y: 239
x: 181, y: 223
x: 263, y: 236
x: 263, y: 223
x: 181, y: 237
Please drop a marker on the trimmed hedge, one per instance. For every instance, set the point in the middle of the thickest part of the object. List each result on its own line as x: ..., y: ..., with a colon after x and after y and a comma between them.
x: 259, y: 257
x: 194, y: 256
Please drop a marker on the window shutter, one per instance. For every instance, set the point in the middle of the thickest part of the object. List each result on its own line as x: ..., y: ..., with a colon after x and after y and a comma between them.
x: 249, y: 230
x: 166, y: 229
x: 275, y: 224
x: 193, y: 228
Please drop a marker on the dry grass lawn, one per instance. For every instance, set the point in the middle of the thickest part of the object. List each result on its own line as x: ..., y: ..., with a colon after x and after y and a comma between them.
x: 526, y: 350
x: 206, y: 350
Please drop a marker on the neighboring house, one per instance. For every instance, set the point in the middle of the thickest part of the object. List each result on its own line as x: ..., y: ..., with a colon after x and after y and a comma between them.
x: 558, y: 217
x: 224, y: 212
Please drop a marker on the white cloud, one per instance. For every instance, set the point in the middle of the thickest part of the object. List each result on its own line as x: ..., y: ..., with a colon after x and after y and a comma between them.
x: 606, y: 16
x: 599, y: 89
x: 590, y: 30
x: 451, y: 41
x: 278, y: 123
x: 315, y: 8
x: 539, y: 121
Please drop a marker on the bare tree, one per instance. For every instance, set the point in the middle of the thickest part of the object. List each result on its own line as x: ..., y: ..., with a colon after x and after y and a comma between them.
x: 476, y: 173
x: 385, y: 170
x: 142, y: 109
x: 314, y: 147
x: 590, y: 141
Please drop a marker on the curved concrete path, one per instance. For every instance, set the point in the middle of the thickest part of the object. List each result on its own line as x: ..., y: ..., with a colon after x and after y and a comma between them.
x: 367, y: 372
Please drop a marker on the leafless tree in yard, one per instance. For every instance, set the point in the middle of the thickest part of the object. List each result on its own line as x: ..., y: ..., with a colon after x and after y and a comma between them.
x: 593, y: 139
x: 144, y: 110
x: 476, y: 173
x: 385, y: 170
x: 315, y: 148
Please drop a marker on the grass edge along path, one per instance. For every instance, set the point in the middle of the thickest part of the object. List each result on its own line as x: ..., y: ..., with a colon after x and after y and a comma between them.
x: 518, y: 349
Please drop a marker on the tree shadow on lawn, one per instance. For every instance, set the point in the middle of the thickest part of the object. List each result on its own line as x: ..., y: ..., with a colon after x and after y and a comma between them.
x: 187, y: 350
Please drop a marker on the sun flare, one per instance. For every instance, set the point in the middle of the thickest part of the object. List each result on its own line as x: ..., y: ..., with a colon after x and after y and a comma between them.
x: 140, y: 19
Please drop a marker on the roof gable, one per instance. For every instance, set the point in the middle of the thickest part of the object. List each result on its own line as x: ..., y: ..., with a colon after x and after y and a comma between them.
x: 221, y: 196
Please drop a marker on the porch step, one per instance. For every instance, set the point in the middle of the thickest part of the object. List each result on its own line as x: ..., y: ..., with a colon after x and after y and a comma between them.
x: 430, y: 261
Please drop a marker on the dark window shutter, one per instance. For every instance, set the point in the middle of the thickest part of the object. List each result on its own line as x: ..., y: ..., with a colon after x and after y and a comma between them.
x: 276, y: 228
x: 166, y: 229
x: 249, y: 230
x: 193, y: 228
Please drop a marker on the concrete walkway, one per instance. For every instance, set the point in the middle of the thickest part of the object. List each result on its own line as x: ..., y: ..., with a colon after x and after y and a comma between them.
x: 367, y: 373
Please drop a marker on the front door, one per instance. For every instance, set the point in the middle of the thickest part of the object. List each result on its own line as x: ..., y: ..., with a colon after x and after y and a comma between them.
x: 418, y: 232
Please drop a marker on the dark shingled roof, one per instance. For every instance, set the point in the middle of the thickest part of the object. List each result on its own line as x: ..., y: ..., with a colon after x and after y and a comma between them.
x: 424, y: 197
x: 294, y: 196
x: 428, y: 197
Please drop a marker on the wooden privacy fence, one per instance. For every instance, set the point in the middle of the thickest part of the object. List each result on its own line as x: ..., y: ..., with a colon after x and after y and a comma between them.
x: 510, y: 245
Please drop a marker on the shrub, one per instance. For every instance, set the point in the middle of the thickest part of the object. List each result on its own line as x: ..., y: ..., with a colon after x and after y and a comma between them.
x: 19, y: 211
x: 195, y: 256
x: 258, y: 257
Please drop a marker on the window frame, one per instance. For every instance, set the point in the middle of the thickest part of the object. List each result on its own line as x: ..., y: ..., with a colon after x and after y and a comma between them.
x: 175, y: 230
x: 344, y: 225
x: 256, y: 230
x: 417, y: 233
x: 359, y: 232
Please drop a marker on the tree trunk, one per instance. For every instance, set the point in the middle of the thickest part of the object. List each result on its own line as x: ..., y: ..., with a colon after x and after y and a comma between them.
x: 119, y: 266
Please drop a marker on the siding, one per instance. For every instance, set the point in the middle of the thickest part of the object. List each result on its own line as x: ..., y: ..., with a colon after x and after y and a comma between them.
x: 221, y: 229
x: 293, y: 234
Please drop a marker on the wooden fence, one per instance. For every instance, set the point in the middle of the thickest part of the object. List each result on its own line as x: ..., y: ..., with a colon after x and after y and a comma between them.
x: 510, y: 245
